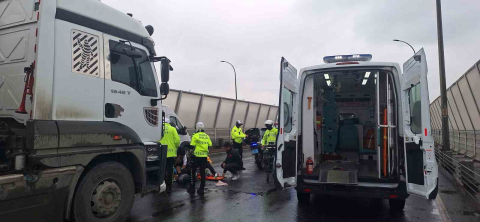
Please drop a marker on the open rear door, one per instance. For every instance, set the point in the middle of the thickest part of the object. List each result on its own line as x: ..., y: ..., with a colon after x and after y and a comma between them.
x: 420, y: 164
x: 286, y: 157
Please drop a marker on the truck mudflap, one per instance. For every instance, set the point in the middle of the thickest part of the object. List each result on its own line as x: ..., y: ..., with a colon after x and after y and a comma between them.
x: 380, y: 192
x: 32, y: 197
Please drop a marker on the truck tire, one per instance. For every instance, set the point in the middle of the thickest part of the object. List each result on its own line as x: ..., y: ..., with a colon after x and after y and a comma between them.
x: 396, y: 205
x: 303, y: 198
x: 106, y: 193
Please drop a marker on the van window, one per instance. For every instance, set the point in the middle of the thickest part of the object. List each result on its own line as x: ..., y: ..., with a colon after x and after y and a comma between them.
x: 134, y: 72
x: 415, y: 109
x: 287, y: 110
x: 175, y: 121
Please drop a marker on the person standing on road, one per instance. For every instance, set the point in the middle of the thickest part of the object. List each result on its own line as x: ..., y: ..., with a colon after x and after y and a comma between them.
x: 201, y: 142
x: 237, y: 139
x: 232, y: 161
x: 172, y: 140
x: 270, y: 135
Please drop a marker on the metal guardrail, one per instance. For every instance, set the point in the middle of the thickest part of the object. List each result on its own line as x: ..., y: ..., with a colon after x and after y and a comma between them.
x: 462, y: 169
x: 218, y: 113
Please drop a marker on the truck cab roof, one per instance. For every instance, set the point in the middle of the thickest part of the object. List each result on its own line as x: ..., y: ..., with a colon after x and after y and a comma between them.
x: 99, y: 11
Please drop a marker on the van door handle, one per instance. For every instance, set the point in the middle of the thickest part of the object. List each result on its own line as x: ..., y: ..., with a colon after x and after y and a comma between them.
x: 280, y: 147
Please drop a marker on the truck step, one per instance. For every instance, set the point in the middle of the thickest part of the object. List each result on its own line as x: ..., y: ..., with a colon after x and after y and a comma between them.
x: 152, y: 168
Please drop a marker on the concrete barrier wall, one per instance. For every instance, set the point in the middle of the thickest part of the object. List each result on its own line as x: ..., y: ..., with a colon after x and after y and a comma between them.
x: 218, y: 113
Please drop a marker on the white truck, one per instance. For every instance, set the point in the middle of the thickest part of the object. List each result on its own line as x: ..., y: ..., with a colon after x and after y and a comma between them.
x: 80, y: 111
x: 356, y: 128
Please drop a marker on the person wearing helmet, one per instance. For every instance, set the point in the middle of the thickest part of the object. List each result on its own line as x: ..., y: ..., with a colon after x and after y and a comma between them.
x: 271, y: 133
x: 201, y: 142
x: 237, y: 137
x: 172, y: 140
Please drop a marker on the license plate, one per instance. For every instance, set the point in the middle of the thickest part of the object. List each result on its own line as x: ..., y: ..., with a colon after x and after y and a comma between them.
x: 254, y: 151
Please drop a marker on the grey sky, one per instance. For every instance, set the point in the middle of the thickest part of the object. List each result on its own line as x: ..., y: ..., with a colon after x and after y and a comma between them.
x: 254, y: 35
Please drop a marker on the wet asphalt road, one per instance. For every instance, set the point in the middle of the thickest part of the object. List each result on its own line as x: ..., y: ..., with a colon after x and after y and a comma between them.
x: 252, y: 199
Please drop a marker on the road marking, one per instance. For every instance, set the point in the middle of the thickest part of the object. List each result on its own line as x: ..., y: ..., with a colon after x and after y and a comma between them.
x: 442, y: 209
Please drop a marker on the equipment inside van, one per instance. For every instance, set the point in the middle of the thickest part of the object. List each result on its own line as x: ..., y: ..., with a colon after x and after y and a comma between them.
x: 365, y: 126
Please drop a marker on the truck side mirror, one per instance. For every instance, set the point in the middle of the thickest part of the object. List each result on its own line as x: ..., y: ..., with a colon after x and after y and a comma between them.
x: 184, y: 130
x: 164, y: 89
x: 165, y: 71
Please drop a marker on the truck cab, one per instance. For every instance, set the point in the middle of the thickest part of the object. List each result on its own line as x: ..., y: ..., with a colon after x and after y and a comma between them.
x: 80, y: 111
x: 353, y: 127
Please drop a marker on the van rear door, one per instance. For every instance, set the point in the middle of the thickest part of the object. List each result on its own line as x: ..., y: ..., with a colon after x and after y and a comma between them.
x: 420, y: 164
x: 286, y: 154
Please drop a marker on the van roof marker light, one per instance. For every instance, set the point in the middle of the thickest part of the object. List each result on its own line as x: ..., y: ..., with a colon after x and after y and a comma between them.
x: 326, y: 76
x: 347, y: 58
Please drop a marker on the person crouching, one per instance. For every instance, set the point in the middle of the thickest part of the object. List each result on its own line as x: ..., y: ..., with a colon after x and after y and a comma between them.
x: 232, y: 162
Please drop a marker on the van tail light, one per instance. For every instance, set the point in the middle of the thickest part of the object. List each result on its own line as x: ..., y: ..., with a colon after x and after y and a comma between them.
x: 393, y: 196
x: 307, y: 190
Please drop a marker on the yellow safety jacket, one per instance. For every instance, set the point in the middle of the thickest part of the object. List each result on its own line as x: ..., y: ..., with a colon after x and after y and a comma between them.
x: 171, y: 139
x: 237, y: 134
x: 201, y: 141
x: 270, y: 136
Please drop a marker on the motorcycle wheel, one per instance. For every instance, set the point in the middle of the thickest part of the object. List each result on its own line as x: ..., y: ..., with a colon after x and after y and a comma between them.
x: 259, y: 161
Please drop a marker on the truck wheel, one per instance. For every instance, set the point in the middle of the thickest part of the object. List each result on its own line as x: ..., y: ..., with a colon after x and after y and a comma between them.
x: 106, y: 193
x: 303, y: 197
x: 396, y: 205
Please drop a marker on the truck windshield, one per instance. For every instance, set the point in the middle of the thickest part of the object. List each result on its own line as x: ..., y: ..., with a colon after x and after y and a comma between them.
x: 134, y: 72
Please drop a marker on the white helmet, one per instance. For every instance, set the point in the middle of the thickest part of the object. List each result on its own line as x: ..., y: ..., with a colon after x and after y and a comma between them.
x: 167, y: 120
x: 268, y: 122
x: 199, y: 127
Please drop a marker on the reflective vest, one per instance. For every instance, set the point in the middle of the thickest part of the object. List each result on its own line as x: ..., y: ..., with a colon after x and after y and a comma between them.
x: 201, y: 141
x: 270, y: 136
x: 171, y: 139
x: 237, y: 134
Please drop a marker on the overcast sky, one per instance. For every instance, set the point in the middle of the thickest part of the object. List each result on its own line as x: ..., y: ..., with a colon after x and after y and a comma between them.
x: 254, y: 35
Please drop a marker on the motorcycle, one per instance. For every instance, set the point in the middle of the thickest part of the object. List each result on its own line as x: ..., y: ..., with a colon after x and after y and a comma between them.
x: 255, y: 148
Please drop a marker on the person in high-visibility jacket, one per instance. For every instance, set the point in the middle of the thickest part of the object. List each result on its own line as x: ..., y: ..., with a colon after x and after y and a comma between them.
x: 237, y: 139
x: 201, y: 142
x: 270, y: 135
x: 172, y: 140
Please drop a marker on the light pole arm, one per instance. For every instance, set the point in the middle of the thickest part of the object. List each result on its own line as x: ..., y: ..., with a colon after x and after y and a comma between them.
x: 396, y: 40
x: 235, y: 73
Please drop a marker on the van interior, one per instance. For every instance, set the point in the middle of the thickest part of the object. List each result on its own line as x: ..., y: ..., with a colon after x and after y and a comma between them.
x: 354, y: 136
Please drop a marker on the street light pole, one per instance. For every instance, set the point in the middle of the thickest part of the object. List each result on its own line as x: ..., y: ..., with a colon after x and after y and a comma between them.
x: 443, y: 87
x: 397, y: 40
x: 235, y: 73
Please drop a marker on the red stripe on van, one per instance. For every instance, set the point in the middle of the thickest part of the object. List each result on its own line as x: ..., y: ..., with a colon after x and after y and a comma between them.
x: 425, y: 131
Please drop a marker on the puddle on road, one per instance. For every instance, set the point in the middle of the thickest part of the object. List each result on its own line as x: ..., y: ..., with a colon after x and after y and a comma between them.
x: 448, y: 191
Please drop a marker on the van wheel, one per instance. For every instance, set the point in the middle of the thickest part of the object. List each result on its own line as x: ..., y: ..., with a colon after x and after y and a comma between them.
x: 303, y: 197
x: 106, y: 193
x: 396, y: 205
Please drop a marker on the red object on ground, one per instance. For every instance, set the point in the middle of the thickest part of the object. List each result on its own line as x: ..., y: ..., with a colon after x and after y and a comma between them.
x: 211, y: 177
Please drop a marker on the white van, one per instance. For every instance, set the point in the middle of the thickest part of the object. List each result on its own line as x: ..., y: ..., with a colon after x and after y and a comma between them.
x: 356, y: 128
x: 175, y: 121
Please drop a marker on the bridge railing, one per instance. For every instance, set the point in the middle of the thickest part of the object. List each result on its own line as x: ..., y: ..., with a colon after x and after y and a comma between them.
x: 463, y: 98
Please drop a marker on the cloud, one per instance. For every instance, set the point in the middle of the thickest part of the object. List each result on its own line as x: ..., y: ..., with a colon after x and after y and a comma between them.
x: 253, y: 35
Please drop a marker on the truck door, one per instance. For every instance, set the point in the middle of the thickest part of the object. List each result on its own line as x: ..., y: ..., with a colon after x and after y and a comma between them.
x: 420, y: 164
x: 130, y: 83
x: 286, y: 154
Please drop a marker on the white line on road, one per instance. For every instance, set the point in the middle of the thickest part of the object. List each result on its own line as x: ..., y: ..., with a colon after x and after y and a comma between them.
x: 442, y: 209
